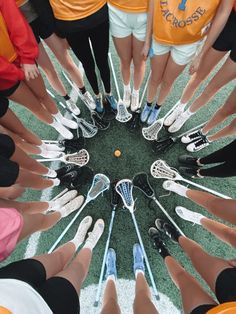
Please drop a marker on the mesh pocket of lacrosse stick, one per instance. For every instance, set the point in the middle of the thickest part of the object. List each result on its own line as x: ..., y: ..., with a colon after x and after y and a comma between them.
x: 100, y: 184
x: 160, y: 169
x: 88, y: 130
x: 123, y: 115
x: 100, y: 123
x: 140, y: 181
x: 125, y: 189
x: 80, y: 158
x: 150, y: 133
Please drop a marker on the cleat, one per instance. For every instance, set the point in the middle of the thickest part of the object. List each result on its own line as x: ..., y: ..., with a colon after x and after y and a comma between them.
x: 72, y: 206
x: 157, y: 242
x: 153, y: 115
x: 193, y: 136
x: 64, y: 170
x: 111, y: 264
x: 99, y: 104
x: 72, y: 107
x: 83, y: 228
x: 174, y: 115
x: 190, y: 172
x: 138, y: 258
x: 179, y: 122
x: 198, y: 145
x: 167, y: 229
x: 61, y: 129
x: 88, y: 100
x: 95, y: 235
x: 112, y: 101
x: 145, y: 113
x: 188, y: 160
x: 68, y: 178
x: 188, y: 215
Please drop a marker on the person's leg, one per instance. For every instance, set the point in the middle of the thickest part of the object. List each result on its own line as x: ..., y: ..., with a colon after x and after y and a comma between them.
x: 12, y: 192
x: 226, y: 169
x: 110, y: 299
x: 222, y: 113
x: 139, y: 62
x: 229, y: 130
x: 25, y: 207
x: 59, y: 47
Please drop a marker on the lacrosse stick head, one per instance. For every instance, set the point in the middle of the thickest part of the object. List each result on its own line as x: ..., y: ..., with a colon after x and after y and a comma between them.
x: 73, y: 145
x: 99, y: 122
x: 151, y: 132
x: 161, y: 170
x: 88, y: 130
x: 100, y: 184
x: 134, y: 123
x: 125, y: 189
x: 115, y: 197
x: 123, y: 114
x: 140, y: 181
x: 162, y: 145
x: 84, y: 176
x: 81, y: 158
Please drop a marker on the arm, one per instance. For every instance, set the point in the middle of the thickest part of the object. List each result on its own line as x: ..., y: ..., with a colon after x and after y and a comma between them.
x: 148, y: 39
x: 217, y: 26
x: 10, y: 74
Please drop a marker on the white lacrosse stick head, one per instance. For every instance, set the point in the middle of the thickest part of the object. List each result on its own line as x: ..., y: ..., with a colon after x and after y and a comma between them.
x: 161, y: 170
x: 123, y: 114
x: 88, y: 129
x: 125, y: 189
x: 100, y: 184
x: 80, y: 158
x: 151, y: 132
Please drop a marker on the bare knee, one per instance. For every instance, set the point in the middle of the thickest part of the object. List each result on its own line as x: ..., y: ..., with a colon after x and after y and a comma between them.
x: 154, y: 80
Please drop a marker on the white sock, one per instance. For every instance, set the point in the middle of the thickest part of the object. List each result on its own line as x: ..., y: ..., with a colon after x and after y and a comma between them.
x: 77, y: 240
x: 88, y: 245
x: 111, y: 277
x: 181, y: 105
x: 56, y: 182
x: 136, y: 91
x: 182, y: 190
x: 188, y: 113
x: 138, y: 271
x: 127, y: 87
x: 58, y: 115
x: 51, y: 173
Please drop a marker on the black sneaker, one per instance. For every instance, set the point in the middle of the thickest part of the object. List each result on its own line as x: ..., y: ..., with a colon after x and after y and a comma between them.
x: 65, y: 169
x: 157, y: 242
x: 167, y: 229
x: 134, y: 123
x: 84, y: 176
x: 68, y: 178
x: 188, y: 160
x: 190, y: 172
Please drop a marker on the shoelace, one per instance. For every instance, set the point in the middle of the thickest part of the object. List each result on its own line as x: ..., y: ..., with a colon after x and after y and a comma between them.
x: 201, y: 142
x: 196, y: 134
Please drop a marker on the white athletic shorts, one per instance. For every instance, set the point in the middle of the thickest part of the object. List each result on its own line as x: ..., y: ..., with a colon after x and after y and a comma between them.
x: 181, y: 54
x: 123, y: 24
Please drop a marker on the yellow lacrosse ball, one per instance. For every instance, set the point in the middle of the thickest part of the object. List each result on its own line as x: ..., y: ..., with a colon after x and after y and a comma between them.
x: 117, y: 153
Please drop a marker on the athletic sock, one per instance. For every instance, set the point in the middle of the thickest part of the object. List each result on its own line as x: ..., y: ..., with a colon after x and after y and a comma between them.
x: 149, y: 104
x: 135, y: 92
x: 188, y: 113
x: 126, y: 87
x: 181, y: 190
x: 82, y: 90
x: 66, y: 97
x: 181, y: 105
x: 157, y: 106
x: 111, y: 277
x: 56, y: 182
x: 138, y: 271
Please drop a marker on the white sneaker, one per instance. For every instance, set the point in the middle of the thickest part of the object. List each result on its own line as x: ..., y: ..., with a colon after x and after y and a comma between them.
x: 52, y: 147
x: 72, y: 107
x: 62, y: 130
x: 188, y: 215
x: 193, y: 136
x: 88, y: 100
x: 95, y: 235
x: 61, y: 201
x: 56, y: 182
x: 135, y: 102
x: 198, y: 145
x: 82, y: 230
x: 177, y: 188
x: 72, y: 206
x: 51, y: 173
x: 174, y: 115
x: 179, y: 122
x: 126, y: 97
x: 49, y: 154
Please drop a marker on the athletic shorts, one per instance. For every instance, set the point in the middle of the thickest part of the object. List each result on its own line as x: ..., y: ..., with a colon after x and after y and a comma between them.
x: 42, y: 29
x: 9, y: 172
x: 57, y: 292
x: 124, y: 24
x: 225, y: 290
x: 181, y: 54
x: 227, y: 39
x: 7, y: 146
x: 9, y: 91
x: 4, y: 105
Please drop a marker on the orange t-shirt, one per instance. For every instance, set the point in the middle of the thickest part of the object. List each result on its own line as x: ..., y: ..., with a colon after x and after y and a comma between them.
x: 3, y: 310
x: 225, y: 308
x: 177, y: 27
x: 7, y: 50
x: 71, y: 10
x: 132, y: 6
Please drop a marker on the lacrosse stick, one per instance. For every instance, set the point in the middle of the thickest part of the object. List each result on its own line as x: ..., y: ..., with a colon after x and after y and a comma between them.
x: 99, y: 122
x: 151, y: 132
x: 141, y: 182
x: 69, y: 145
x: 163, y: 145
x: 80, y: 158
x: 114, y: 203
x: 160, y: 169
x: 123, y: 114
x: 88, y: 130
x: 100, y: 184
x: 125, y: 188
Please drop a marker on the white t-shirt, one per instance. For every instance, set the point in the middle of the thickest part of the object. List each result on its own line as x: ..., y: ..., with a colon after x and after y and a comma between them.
x: 20, y: 298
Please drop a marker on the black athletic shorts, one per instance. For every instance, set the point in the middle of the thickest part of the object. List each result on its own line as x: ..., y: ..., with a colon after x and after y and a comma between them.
x: 9, y: 91
x: 4, y: 105
x: 225, y: 290
x: 7, y: 146
x: 9, y: 171
x: 57, y: 292
x: 227, y: 38
x: 42, y: 29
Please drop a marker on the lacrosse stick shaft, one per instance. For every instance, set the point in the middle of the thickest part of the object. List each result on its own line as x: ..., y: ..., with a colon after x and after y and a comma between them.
x: 68, y: 227
x: 191, y: 130
x: 145, y: 88
x: 168, y: 216
x: 48, y: 159
x: 114, y: 75
x: 104, y: 259
x: 145, y: 257
x: 206, y: 189
x: 50, y: 142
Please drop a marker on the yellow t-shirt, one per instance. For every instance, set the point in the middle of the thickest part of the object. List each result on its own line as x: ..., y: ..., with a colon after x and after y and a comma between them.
x: 132, y: 6
x: 177, y: 27
x: 7, y: 50
x: 225, y: 308
x: 71, y: 10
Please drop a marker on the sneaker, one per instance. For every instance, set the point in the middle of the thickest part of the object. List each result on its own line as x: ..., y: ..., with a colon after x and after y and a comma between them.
x: 188, y: 215
x: 190, y: 172
x: 179, y: 122
x: 61, y: 201
x: 99, y: 104
x: 138, y: 258
x: 112, y: 101
x: 111, y: 263
x: 145, y: 113
x: 71, y: 206
x: 135, y: 102
x: 95, y: 235
x: 68, y: 178
x: 49, y: 154
x: 198, y: 145
x: 62, y: 130
x: 66, y: 122
x: 82, y: 230
x: 65, y: 169
x: 174, y: 115
x: 56, y: 182
x: 153, y: 115
x: 51, y: 173
x: 157, y: 242
x: 168, y: 229
x: 88, y: 100
x: 126, y: 97
x: 134, y: 123
x: 72, y: 107
x: 188, y: 160
x: 52, y: 147
x: 193, y: 136
x: 172, y: 186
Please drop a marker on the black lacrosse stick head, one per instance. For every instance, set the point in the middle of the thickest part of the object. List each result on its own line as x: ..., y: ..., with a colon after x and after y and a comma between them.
x: 109, y: 113
x: 134, y: 123
x: 140, y: 181
x: 162, y: 145
x: 74, y: 145
x: 100, y: 123
x: 84, y: 175
x: 115, y: 197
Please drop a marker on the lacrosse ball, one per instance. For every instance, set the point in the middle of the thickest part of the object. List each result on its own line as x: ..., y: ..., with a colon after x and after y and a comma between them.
x: 117, y: 153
